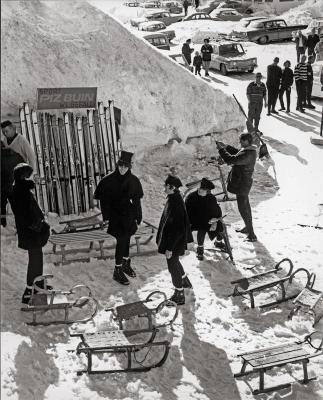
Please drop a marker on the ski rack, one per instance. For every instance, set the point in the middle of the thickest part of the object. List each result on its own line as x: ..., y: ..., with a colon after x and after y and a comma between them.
x: 73, y: 153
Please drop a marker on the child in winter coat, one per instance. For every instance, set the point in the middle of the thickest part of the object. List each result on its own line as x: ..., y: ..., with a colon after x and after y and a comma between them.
x: 197, y: 62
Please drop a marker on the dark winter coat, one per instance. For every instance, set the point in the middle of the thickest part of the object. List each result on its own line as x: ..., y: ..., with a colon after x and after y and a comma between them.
x: 312, y: 41
x: 274, y: 74
x: 287, y: 78
x: 185, y: 4
x: 304, y: 42
x: 187, y: 51
x: 174, y: 230
x: 9, y: 159
x: 32, y: 230
x: 197, y: 61
x: 119, y: 197
x: 310, y: 75
x: 243, y: 160
x: 206, y: 51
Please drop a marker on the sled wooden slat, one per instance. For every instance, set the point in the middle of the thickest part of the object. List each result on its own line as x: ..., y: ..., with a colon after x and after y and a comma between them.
x: 309, y: 301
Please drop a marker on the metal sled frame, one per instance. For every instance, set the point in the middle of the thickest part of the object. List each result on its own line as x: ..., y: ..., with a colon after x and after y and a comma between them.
x: 116, y: 342
x: 43, y: 300
x: 91, y: 229
x: 289, y: 353
x: 139, y: 309
x: 256, y: 283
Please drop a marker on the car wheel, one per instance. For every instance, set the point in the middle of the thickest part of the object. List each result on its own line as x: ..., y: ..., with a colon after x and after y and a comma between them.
x: 250, y: 70
x: 263, y: 40
x: 223, y: 69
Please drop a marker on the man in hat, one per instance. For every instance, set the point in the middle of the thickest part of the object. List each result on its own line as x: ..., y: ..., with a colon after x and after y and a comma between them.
x: 256, y: 94
x: 274, y: 74
x: 174, y: 233
x: 120, y: 195
x: 203, y: 211
x: 240, y: 177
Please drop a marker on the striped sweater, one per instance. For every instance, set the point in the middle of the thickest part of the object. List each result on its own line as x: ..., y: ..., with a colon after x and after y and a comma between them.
x: 300, y: 72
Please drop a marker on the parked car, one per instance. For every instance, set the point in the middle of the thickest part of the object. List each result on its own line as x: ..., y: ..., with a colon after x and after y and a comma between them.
x: 200, y: 17
x: 231, y: 57
x: 173, y: 7
x: 131, y: 3
x: 246, y: 21
x: 158, y: 40
x: 154, y: 26
x: 268, y: 30
x: 226, y: 14
x: 161, y: 15
x: 150, y: 4
x: 180, y: 59
x: 237, y: 5
x: 317, y: 85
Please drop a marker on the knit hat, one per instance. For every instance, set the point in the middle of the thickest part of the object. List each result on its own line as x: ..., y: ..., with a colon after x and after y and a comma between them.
x: 173, y: 181
x: 22, y: 171
x: 206, y: 184
x: 6, y: 123
x: 125, y: 158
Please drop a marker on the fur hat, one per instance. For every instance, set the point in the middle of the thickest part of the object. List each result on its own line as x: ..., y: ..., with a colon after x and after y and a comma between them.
x: 22, y: 171
x: 172, y: 180
x: 6, y: 123
x: 125, y: 158
x: 206, y: 184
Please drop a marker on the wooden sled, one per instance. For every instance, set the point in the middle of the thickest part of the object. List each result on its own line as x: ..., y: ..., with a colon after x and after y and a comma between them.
x: 309, y: 301
x: 295, y: 352
x: 257, y: 283
x: 140, y: 309
x: 117, y: 342
x: 43, y: 300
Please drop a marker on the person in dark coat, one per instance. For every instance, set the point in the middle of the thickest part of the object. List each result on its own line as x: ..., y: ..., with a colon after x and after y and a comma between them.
x: 197, y: 63
x: 274, y: 74
x: 185, y: 5
x: 240, y: 177
x: 301, y: 44
x: 120, y: 195
x: 187, y: 51
x: 203, y: 212
x: 309, y: 84
x: 173, y: 235
x: 286, y: 86
x: 9, y: 159
x: 32, y: 229
x: 206, y: 51
x: 197, y: 3
x: 312, y: 40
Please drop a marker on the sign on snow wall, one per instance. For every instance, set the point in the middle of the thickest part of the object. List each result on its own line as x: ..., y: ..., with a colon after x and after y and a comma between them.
x: 57, y: 98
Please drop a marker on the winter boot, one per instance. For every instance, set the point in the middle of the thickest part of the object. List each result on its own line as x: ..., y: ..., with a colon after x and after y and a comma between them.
x: 251, y: 237
x: 126, y: 268
x: 119, y: 276
x: 178, y: 297
x: 26, y: 296
x: 186, y: 283
x: 200, y: 253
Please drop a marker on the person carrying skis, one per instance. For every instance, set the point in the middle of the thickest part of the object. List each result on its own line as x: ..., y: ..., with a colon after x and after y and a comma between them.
x: 32, y: 229
x: 240, y: 177
x: 120, y: 195
x: 203, y: 212
x: 206, y: 51
x: 187, y: 51
x: 173, y: 235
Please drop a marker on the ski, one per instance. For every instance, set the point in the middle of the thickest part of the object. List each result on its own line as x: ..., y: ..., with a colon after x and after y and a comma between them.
x: 95, y: 156
x: 105, y: 138
x: 107, y: 119
x: 89, y: 161
x: 116, y: 138
x: 24, y: 131
x: 73, y: 180
x: 65, y: 165
x: 99, y: 143
x: 39, y: 153
x: 80, y: 134
x: 78, y: 167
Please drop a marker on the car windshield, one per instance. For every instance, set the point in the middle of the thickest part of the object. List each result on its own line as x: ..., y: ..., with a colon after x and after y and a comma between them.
x: 233, y: 48
x: 245, y: 23
x: 255, y: 24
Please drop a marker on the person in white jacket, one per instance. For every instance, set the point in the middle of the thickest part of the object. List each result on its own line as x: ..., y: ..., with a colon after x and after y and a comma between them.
x: 18, y: 143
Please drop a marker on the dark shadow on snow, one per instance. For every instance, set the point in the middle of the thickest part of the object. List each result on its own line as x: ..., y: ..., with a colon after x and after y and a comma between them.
x: 286, y: 148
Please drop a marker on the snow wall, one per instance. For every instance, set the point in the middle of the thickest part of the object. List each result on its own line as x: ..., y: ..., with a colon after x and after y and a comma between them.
x: 68, y: 44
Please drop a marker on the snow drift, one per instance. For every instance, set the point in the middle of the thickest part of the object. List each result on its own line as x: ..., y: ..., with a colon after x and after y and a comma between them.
x: 74, y: 44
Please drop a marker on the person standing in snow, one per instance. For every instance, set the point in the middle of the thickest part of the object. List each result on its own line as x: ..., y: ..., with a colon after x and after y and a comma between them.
x: 197, y: 63
x: 185, y: 5
x: 203, y: 212
x: 301, y: 43
x: 173, y: 235
x: 197, y: 3
x: 256, y: 94
x: 318, y: 50
x: 309, y: 83
x: 274, y: 74
x: 120, y: 195
x: 206, y: 51
x: 32, y: 229
x: 286, y: 86
x: 312, y: 40
x: 240, y: 177
x: 187, y: 51
x: 300, y: 75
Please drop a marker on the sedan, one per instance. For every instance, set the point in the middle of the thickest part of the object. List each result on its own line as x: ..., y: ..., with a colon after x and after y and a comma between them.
x: 227, y: 14
x: 200, y: 17
x: 164, y: 16
x: 155, y: 26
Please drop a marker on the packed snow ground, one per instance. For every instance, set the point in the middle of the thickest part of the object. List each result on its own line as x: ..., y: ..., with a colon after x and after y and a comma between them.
x: 212, y: 328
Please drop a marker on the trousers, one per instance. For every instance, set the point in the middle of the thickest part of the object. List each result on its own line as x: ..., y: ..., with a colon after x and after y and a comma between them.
x: 245, y: 211
x: 301, y: 93
x: 254, y: 112
x: 272, y: 97
x: 176, y: 270
x: 35, y: 264
x: 309, y: 88
x: 122, y: 248
x: 281, y: 94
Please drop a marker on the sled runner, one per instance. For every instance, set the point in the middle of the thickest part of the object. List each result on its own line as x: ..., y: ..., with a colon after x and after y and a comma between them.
x: 44, y: 299
x: 119, y: 342
x: 141, y: 309
x: 270, y: 279
x: 309, y: 301
x: 295, y: 352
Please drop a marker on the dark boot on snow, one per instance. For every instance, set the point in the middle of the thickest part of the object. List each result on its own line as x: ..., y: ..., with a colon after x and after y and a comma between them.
x: 119, y: 276
x: 200, y: 253
x: 178, y: 297
x: 126, y: 268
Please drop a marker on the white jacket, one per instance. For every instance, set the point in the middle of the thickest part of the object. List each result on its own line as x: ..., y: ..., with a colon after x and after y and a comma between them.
x: 21, y: 146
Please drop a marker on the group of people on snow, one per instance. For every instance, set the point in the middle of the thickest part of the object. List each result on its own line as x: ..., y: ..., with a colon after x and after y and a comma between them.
x: 199, y: 59
x: 120, y: 194
x: 313, y: 43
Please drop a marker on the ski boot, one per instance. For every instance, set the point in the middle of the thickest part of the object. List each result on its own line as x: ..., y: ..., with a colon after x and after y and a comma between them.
x: 119, y: 276
x: 126, y: 268
x: 178, y: 297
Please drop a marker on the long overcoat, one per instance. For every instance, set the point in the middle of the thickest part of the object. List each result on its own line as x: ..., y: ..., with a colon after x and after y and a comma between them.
x: 174, y: 232
x: 243, y: 161
x: 119, y: 197
x: 32, y: 230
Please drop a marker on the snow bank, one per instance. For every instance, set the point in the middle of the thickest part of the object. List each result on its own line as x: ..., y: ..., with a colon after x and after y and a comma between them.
x: 305, y: 12
x: 74, y: 44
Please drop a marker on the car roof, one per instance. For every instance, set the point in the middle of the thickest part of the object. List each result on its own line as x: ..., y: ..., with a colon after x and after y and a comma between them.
x: 156, y: 12
x: 148, y: 23
x: 252, y: 18
x: 224, y: 42
x: 225, y: 9
x: 154, y: 35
